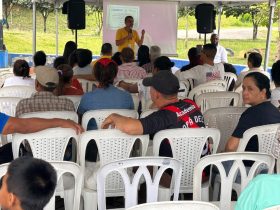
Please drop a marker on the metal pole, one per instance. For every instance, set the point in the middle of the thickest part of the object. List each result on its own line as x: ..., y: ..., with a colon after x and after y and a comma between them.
x: 34, y: 27
x: 56, y: 27
x: 272, y: 4
x: 76, y: 37
x: 220, y: 9
x: 1, y: 25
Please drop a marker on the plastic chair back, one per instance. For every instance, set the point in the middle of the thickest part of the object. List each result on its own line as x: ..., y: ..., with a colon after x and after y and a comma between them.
x: 135, y: 98
x: 131, y: 186
x: 147, y: 112
x: 101, y: 114
x: 87, y: 85
x: 219, y: 82
x: 20, y: 91
x: 230, y: 78
x: 187, y: 146
x: 52, y: 114
x: 74, y: 98
x: 216, y: 99
x: 227, y: 179
x: 225, y: 119
x: 112, y: 144
x: 8, y: 105
x: 74, y: 170
x: 176, y: 205
x: 49, y: 144
x: 204, y: 89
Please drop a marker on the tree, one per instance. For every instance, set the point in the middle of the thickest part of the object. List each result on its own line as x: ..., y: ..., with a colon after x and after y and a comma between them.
x: 97, y: 11
x: 45, y: 8
x: 257, y: 14
x: 7, y: 7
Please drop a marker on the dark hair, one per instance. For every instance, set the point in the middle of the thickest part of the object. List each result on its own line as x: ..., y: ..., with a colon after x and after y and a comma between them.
x: 58, y: 61
x: 117, y: 58
x: 163, y: 63
x: 261, y: 81
x: 255, y: 59
x: 127, y: 54
x: 65, y: 73
x: 69, y: 47
x: 143, y: 55
x: 73, y: 58
x: 21, y: 68
x: 229, y: 68
x: 106, y: 49
x: 210, y: 50
x: 127, y: 17
x: 32, y: 180
x: 194, y: 56
x: 105, y: 74
x: 40, y: 58
x: 275, y: 72
x: 84, y: 57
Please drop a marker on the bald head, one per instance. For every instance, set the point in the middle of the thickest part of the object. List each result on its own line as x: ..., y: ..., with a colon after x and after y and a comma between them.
x: 214, y: 39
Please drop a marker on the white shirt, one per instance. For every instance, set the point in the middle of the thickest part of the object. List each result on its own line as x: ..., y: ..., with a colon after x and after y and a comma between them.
x: 221, y: 55
x: 83, y: 71
x: 275, y: 97
x: 203, y: 73
x: 19, y: 80
x: 244, y: 73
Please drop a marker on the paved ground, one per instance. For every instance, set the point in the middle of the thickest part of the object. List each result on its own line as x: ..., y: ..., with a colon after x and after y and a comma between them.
x: 232, y: 33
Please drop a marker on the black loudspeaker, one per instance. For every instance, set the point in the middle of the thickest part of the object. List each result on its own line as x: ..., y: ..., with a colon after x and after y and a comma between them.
x: 65, y: 7
x: 76, y: 14
x: 205, y: 18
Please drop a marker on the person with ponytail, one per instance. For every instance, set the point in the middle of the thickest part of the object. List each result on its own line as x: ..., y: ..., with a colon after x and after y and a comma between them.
x: 21, y: 75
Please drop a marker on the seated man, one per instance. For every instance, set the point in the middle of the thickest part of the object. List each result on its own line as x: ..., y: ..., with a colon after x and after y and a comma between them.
x: 172, y: 113
x: 46, y: 82
x: 254, y: 63
x: 206, y: 72
x: 106, y: 52
x: 194, y: 59
x: 129, y: 69
x: 28, y: 184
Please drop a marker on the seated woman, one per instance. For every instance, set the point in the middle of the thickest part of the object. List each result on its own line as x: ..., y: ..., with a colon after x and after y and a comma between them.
x: 275, y: 75
x: 65, y: 87
x: 256, y: 92
x: 21, y: 75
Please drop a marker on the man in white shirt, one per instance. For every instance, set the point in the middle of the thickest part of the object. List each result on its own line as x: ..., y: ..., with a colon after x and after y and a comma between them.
x: 206, y: 72
x: 221, y: 55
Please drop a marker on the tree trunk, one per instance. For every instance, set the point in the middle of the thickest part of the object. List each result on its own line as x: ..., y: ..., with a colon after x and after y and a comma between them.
x: 255, y: 31
x: 278, y: 41
x: 6, y: 16
x: 45, y: 24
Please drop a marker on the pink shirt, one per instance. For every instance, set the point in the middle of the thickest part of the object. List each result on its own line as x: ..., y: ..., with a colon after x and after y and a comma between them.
x: 130, y: 71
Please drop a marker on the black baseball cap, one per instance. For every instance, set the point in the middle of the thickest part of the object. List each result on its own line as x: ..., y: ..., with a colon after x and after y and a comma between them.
x: 164, y: 82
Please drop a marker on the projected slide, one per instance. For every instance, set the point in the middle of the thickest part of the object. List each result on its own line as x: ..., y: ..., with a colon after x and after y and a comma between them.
x: 117, y: 13
x: 158, y: 18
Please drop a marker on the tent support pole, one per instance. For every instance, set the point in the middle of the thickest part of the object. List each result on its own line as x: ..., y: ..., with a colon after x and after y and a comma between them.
x: 56, y: 27
x: 34, y: 27
x: 272, y: 4
x: 220, y: 10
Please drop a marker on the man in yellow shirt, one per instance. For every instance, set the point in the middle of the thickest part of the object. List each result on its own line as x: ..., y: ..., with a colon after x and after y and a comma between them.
x: 127, y: 37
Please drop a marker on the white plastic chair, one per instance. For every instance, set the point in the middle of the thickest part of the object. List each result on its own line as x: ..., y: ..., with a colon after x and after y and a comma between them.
x: 230, y: 78
x: 74, y: 172
x: 219, y: 82
x: 184, y: 87
x: 187, y: 146
x: 17, y: 91
x: 204, y: 89
x: 52, y: 114
x: 216, y: 99
x: 8, y: 106
x: 74, y: 98
x: 112, y: 145
x: 135, y: 98
x: 147, y: 112
x: 176, y: 205
x: 4, y: 75
x: 227, y: 180
x: 49, y: 144
x: 87, y: 85
x: 225, y: 119
x: 101, y: 114
x: 131, y: 183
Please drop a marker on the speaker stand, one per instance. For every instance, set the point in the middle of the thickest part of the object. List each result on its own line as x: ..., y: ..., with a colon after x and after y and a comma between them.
x: 76, y: 37
x: 205, y: 38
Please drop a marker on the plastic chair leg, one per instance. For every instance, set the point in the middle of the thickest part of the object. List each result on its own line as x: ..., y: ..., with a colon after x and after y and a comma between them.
x: 90, y: 200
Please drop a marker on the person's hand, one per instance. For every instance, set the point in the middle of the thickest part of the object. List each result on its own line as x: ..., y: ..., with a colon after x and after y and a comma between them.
x: 71, y: 124
x: 108, y: 122
x: 143, y: 32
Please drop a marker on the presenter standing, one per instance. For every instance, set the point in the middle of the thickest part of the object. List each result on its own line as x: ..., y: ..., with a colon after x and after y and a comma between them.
x: 127, y: 37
